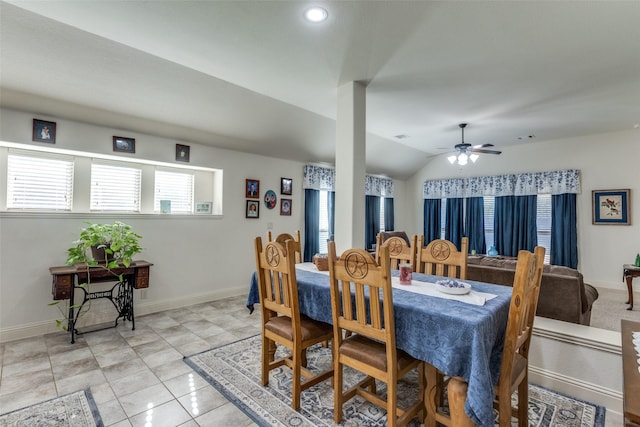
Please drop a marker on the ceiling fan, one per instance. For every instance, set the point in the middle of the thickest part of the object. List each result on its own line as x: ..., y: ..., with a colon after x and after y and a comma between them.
x: 465, y: 152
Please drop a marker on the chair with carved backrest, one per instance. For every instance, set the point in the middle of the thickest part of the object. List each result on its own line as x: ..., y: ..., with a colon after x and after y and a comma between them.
x: 282, y: 322
x: 400, y: 252
x: 514, y: 368
x: 297, y: 245
x: 362, y: 302
x: 442, y: 258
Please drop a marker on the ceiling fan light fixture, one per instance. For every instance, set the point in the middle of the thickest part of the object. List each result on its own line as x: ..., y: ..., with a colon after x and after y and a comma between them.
x: 452, y: 159
x: 462, y: 159
x: 473, y: 157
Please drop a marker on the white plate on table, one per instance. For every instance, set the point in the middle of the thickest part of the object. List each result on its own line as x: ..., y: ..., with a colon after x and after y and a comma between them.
x: 452, y: 286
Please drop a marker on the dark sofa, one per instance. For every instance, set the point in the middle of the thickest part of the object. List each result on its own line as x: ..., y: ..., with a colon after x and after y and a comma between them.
x: 563, y: 293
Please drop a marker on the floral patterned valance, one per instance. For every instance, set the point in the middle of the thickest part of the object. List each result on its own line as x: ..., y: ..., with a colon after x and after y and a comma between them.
x: 524, y: 184
x: 377, y: 186
x: 324, y: 178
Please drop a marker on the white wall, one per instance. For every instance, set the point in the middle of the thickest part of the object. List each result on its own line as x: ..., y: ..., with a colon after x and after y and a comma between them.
x: 606, y: 161
x: 196, y: 258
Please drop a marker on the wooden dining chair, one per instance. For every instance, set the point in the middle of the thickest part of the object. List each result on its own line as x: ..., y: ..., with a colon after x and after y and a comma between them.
x: 514, y: 368
x: 282, y: 322
x: 297, y: 245
x: 442, y: 258
x: 400, y: 252
x: 362, y: 303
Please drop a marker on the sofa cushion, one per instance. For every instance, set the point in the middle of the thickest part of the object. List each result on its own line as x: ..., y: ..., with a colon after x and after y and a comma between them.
x: 563, y: 293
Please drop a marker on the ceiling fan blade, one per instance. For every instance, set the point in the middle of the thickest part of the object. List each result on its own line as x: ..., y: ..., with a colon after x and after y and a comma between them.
x: 480, y: 150
x: 483, y: 146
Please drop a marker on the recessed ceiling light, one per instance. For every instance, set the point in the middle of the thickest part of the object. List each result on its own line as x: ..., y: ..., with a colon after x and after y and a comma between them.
x: 316, y: 14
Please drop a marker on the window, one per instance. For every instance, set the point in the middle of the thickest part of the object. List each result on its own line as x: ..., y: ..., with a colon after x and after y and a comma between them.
x: 177, y: 187
x: 543, y: 224
x: 115, y: 188
x: 324, y: 221
x: 382, y: 213
x: 443, y: 217
x: 39, y: 182
x: 489, y: 236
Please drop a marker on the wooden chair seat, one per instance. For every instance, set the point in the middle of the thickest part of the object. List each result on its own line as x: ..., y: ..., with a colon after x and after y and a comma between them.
x: 309, y: 329
x: 374, y: 354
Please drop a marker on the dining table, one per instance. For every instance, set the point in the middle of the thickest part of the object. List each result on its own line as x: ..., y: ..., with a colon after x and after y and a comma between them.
x: 461, y: 336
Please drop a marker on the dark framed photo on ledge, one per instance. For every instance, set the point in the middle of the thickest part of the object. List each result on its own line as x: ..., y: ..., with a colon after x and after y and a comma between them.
x: 611, y: 207
x: 252, y: 189
x: 182, y: 153
x: 124, y: 145
x: 286, y: 185
x: 253, y: 209
x: 44, y: 131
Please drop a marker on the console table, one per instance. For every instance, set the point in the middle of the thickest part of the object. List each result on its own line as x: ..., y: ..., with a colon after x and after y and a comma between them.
x: 630, y: 374
x: 67, y: 280
x: 629, y: 272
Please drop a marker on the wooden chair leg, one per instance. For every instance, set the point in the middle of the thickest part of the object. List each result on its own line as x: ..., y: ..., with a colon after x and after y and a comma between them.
x: 337, y: 392
x: 296, y: 387
x: 268, y: 354
x: 523, y: 403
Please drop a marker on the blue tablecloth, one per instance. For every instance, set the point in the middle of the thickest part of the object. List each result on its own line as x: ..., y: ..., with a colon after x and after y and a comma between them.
x: 459, y: 339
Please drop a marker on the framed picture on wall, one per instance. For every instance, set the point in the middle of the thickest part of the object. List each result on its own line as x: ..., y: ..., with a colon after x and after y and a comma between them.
x: 44, y: 131
x: 286, y: 186
x: 124, y: 145
x: 252, y: 189
x: 285, y: 207
x: 182, y: 153
x: 611, y: 207
x: 253, y: 209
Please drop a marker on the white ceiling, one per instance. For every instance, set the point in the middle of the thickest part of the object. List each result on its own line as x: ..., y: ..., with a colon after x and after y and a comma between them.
x: 254, y: 76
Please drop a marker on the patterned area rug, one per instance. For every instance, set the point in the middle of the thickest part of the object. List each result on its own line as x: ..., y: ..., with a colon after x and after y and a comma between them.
x: 234, y: 370
x: 76, y: 409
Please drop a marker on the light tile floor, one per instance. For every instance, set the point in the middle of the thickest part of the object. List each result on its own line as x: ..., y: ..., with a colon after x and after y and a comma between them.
x: 130, y: 372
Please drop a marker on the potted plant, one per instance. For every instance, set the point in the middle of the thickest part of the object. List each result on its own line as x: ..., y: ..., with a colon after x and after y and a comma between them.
x: 106, y: 245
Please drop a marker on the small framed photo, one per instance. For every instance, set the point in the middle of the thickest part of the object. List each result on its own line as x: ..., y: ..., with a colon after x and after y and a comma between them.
x: 611, y: 207
x: 203, y: 208
x: 44, y: 131
x: 182, y: 153
x: 252, y: 188
x: 124, y: 145
x: 286, y: 186
x: 253, y: 209
x: 285, y: 207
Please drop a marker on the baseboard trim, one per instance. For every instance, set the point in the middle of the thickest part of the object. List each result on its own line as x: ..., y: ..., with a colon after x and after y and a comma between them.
x: 611, y: 399
x: 97, y: 317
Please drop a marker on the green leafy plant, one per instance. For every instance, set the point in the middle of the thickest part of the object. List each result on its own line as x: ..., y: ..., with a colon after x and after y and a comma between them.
x: 117, y: 243
x: 118, y: 240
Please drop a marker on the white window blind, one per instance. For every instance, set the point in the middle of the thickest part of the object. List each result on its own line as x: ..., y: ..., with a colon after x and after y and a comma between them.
x: 177, y: 187
x: 543, y: 224
x: 382, y: 214
x: 324, y: 221
x: 489, y: 208
x: 443, y: 217
x: 115, y: 188
x: 39, y: 182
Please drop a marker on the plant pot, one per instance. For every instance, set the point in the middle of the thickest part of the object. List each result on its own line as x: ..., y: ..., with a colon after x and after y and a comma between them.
x: 100, y: 256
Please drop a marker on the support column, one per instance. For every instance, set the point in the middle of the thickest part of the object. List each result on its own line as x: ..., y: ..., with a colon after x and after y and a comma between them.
x: 350, y: 166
